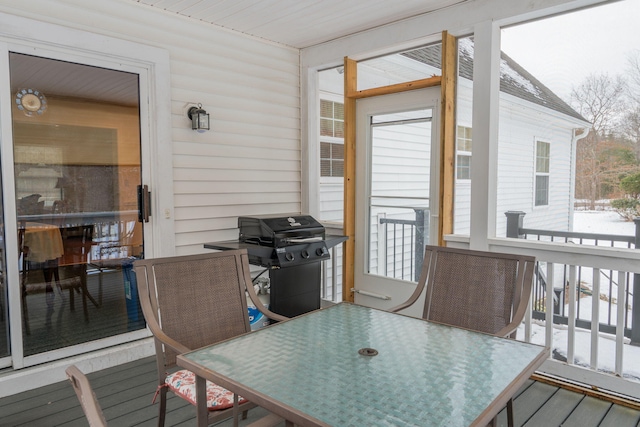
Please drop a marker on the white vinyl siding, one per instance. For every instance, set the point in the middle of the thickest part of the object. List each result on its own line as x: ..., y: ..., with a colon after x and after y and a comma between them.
x: 519, y: 130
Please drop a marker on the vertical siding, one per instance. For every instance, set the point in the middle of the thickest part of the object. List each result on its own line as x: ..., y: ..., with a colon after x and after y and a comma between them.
x: 249, y: 163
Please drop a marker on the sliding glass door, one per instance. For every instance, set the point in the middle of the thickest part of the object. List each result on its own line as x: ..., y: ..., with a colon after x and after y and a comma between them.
x: 77, y: 170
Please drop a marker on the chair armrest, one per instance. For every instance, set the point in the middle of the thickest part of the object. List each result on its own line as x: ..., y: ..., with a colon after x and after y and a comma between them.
x: 416, y: 293
x: 168, y: 341
x: 264, y: 310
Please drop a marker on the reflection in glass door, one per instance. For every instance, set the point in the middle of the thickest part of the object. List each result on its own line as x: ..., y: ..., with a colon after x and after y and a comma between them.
x: 76, y: 139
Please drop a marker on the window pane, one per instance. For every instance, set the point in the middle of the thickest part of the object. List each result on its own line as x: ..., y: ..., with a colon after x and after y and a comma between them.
x: 338, y: 113
x: 325, y: 150
x: 338, y: 168
x: 542, y: 190
x: 337, y: 151
x: 339, y: 129
x: 463, y: 169
x: 326, y: 108
x: 542, y: 156
x: 325, y: 168
x: 326, y: 127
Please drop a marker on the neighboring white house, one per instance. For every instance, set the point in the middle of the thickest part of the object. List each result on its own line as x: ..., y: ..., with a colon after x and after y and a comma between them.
x: 537, y: 142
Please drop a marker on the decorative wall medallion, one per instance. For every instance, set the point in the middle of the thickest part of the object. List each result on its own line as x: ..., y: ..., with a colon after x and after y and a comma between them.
x: 31, y: 101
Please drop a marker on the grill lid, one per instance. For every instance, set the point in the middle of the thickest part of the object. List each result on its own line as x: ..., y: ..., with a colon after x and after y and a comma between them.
x: 277, y: 231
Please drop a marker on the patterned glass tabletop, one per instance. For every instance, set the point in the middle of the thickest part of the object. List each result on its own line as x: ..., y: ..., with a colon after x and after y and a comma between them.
x: 424, y: 374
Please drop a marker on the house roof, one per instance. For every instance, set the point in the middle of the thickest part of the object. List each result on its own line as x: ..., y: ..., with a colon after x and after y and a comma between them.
x: 514, y: 79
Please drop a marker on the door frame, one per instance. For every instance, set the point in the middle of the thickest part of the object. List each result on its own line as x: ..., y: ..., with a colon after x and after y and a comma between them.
x: 429, y: 98
x: 152, y: 65
x: 447, y: 82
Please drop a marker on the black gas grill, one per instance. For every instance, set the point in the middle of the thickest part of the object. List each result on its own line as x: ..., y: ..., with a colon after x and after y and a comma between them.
x: 292, y: 248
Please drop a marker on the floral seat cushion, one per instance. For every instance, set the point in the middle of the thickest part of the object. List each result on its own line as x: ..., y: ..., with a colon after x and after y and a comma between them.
x: 183, y: 383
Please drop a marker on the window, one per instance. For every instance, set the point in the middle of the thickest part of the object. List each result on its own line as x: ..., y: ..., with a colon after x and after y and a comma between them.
x: 331, y: 119
x: 542, y: 173
x: 331, y: 159
x: 463, y: 153
x: 331, y: 139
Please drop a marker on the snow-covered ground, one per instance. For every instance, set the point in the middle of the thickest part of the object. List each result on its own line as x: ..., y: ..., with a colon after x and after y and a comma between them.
x: 602, y: 222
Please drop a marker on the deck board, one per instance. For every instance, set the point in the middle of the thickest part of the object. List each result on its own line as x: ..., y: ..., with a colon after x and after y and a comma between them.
x: 589, y: 412
x: 556, y: 410
x: 528, y: 402
x: 125, y: 393
x: 620, y: 416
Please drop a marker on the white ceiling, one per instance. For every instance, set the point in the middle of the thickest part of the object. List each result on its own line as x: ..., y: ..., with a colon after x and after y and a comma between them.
x: 299, y: 23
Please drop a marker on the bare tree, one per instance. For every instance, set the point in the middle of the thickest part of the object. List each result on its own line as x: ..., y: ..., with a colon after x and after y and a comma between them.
x: 599, y: 99
x: 633, y: 72
x: 631, y: 121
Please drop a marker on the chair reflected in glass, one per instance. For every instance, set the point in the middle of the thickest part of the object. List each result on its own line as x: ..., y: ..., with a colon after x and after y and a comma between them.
x: 190, y: 302
x: 481, y: 291
x: 40, y: 248
x: 52, y: 255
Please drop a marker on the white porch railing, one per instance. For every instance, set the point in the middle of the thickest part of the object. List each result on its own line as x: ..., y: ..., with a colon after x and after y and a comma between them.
x: 588, y: 355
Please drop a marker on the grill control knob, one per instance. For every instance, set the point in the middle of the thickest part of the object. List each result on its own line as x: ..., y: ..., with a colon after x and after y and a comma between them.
x: 289, y: 256
x: 304, y: 253
x: 321, y: 251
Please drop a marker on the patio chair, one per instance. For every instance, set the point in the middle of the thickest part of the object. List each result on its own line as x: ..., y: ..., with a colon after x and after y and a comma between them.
x: 190, y: 302
x: 482, y: 291
x: 86, y: 396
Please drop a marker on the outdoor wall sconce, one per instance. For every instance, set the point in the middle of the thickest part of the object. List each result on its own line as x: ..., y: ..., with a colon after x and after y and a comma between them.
x: 199, y: 118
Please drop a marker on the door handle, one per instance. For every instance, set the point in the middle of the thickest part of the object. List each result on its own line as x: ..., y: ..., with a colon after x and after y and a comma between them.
x: 144, y: 203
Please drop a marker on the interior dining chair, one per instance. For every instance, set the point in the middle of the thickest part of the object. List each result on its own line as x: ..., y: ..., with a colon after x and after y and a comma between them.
x: 86, y: 396
x: 482, y: 291
x: 72, y: 266
x: 192, y: 301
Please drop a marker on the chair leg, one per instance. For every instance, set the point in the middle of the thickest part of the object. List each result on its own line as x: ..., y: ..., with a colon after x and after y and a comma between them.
x: 83, y: 286
x: 162, y: 406
x: 25, y: 310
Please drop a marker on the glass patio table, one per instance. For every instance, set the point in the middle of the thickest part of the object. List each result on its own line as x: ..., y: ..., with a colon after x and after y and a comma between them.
x: 349, y: 365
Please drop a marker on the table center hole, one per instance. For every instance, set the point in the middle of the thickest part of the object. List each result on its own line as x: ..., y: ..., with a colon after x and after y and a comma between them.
x: 368, y: 351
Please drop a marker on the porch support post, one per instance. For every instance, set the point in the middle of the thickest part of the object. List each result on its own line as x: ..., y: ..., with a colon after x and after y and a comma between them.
x: 486, y: 108
x: 635, y: 313
x: 349, y: 220
x: 447, y: 135
x: 514, y: 223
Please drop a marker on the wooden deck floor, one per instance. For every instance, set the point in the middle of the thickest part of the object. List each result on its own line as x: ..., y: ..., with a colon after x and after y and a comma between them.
x: 125, y: 394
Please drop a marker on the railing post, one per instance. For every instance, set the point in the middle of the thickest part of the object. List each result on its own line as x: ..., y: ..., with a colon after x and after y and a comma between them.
x: 635, y: 313
x: 514, y: 223
x: 422, y: 236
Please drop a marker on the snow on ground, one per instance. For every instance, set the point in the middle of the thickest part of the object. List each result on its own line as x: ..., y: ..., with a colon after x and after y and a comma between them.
x: 602, y: 222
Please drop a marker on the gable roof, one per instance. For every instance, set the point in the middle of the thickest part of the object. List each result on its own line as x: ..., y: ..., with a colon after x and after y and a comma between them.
x: 514, y: 79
